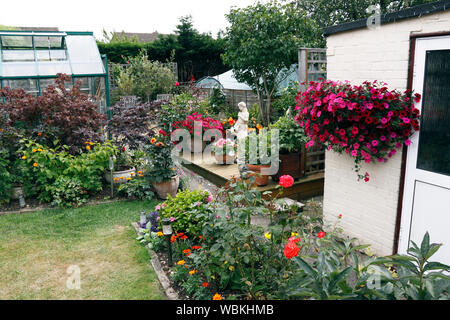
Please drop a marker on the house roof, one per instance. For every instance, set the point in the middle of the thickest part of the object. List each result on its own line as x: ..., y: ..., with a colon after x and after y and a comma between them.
x: 416, y: 11
x: 142, y: 37
x: 38, y: 28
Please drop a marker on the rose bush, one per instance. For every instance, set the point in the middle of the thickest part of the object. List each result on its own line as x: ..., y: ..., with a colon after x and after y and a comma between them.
x: 369, y: 122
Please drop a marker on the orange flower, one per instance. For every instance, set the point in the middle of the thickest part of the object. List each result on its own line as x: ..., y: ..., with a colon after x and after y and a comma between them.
x: 132, y: 173
x: 39, y: 133
x: 35, y: 164
x: 196, y: 247
x: 193, y: 272
x: 205, y: 284
x: 88, y: 147
x: 186, y: 251
x: 116, y: 179
x: 173, y: 238
x: 153, y: 140
x: 128, y: 179
x: 217, y: 297
x: 141, y: 175
x: 258, y: 126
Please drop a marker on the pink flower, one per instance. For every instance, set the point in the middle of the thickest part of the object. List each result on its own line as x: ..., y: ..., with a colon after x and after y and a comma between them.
x: 406, y: 120
x: 354, y: 153
x: 172, y: 219
x: 375, y: 143
x: 408, y: 142
x: 158, y: 207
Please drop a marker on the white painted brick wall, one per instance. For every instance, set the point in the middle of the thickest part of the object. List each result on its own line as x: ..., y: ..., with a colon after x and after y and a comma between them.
x: 369, y: 210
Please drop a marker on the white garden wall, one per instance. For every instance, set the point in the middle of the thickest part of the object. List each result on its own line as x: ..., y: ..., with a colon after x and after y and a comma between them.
x: 369, y: 210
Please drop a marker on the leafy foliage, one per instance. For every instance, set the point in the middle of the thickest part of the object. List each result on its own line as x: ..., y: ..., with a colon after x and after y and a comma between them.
x: 137, y: 188
x: 262, y: 43
x: 292, y: 136
x: 66, y: 116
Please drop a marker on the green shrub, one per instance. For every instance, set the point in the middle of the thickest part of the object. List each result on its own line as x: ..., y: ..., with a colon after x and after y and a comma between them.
x: 185, y: 208
x: 292, y: 136
x: 5, y: 177
x: 137, y: 188
x: 67, y: 192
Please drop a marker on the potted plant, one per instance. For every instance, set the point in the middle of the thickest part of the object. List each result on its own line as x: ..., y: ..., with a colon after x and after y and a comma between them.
x: 257, y: 154
x: 162, y: 172
x: 123, y: 167
x: 292, y: 139
x: 224, y: 151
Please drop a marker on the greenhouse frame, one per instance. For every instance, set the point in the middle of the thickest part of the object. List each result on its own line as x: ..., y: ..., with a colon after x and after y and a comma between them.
x: 32, y: 59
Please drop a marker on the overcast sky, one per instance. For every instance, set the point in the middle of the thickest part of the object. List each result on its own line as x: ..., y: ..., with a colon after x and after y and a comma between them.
x: 113, y: 15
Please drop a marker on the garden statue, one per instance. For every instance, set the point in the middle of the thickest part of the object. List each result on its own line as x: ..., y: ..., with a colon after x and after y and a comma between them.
x: 240, y: 129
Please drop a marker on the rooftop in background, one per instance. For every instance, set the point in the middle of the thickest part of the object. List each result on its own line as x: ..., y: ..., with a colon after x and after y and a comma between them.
x: 142, y: 37
x: 416, y: 11
x: 37, y: 28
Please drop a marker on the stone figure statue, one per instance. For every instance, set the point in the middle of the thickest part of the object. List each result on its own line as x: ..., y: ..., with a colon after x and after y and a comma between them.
x: 240, y: 129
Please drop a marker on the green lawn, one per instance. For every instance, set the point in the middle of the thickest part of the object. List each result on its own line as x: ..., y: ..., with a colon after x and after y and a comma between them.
x: 36, y: 250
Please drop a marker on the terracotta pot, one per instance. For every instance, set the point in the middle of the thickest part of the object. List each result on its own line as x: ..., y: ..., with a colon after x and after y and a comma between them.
x: 225, y: 159
x: 121, y: 176
x: 290, y: 164
x: 260, y: 180
x: 163, y: 189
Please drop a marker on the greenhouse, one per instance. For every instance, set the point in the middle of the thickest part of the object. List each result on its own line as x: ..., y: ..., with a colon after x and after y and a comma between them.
x: 31, y: 60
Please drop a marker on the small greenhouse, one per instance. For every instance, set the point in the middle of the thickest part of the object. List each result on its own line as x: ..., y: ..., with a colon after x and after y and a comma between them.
x: 31, y: 60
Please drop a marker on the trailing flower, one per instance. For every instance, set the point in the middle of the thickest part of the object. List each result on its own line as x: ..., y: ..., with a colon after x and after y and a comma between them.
x: 368, y: 122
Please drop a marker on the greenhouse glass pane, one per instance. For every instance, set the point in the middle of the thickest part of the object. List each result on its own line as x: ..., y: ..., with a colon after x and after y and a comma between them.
x: 45, y: 83
x: 19, y: 69
x: 49, y: 42
x: 53, y: 67
x: 84, y: 55
x: 17, y: 55
x: 51, y: 55
x: 29, y: 85
x: 17, y: 42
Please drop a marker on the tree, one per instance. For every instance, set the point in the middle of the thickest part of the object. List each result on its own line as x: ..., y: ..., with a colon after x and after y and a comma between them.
x: 332, y: 12
x: 262, y: 43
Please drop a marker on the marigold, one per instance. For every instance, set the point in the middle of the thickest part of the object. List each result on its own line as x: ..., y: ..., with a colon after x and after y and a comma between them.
x: 181, y: 262
x: 193, y: 272
x: 186, y: 251
x: 205, y: 284
x: 35, y: 164
x: 159, y: 234
x: 116, y: 179
x: 34, y: 150
x: 88, y: 147
x: 24, y: 157
x: 217, y: 297
x: 196, y: 247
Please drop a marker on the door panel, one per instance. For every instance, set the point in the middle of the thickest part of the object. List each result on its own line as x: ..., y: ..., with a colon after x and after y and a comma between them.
x: 426, y: 201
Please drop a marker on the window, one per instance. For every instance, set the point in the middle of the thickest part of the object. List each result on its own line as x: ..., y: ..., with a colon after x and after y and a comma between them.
x: 29, y: 85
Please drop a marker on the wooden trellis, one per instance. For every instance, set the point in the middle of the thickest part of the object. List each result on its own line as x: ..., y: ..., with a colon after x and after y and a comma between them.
x: 312, y: 67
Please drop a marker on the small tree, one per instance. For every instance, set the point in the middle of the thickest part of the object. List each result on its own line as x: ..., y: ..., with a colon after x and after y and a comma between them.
x: 262, y: 43
x: 145, y: 78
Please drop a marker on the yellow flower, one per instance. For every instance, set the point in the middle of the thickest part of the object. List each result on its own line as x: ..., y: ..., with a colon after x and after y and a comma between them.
x: 231, y: 268
x: 192, y: 272
x: 132, y: 173
x: 153, y: 141
x: 40, y: 150
x: 88, y: 147
x: 259, y: 127
x: 181, y: 262
x: 128, y: 179
x: 217, y: 297
x: 268, y: 235
x: 159, y: 234
x: 34, y: 150
x: 294, y: 234
x: 35, y: 164
x: 24, y: 157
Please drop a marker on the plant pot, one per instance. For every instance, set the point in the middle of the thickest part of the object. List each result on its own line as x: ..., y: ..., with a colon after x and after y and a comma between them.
x: 197, y: 148
x: 16, y: 193
x: 119, y: 177
x: 163, y: 189
x: 260, y: 180
x: 290, y: 164
x: 225, y: 159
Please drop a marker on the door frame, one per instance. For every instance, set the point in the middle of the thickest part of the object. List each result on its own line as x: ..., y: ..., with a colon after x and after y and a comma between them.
x: 412, y: 53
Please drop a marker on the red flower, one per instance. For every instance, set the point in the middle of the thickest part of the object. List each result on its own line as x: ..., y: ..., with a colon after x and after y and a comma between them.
x: 123, y: 149
x: 196, y: 247
x: 321, y: 234
x: 286, y: 181
x: 291, y: 249
x: 205, y: 284
x: 177, y: 84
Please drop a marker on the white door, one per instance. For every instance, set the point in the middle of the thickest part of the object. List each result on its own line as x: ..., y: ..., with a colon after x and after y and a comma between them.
x: 426, y: 200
